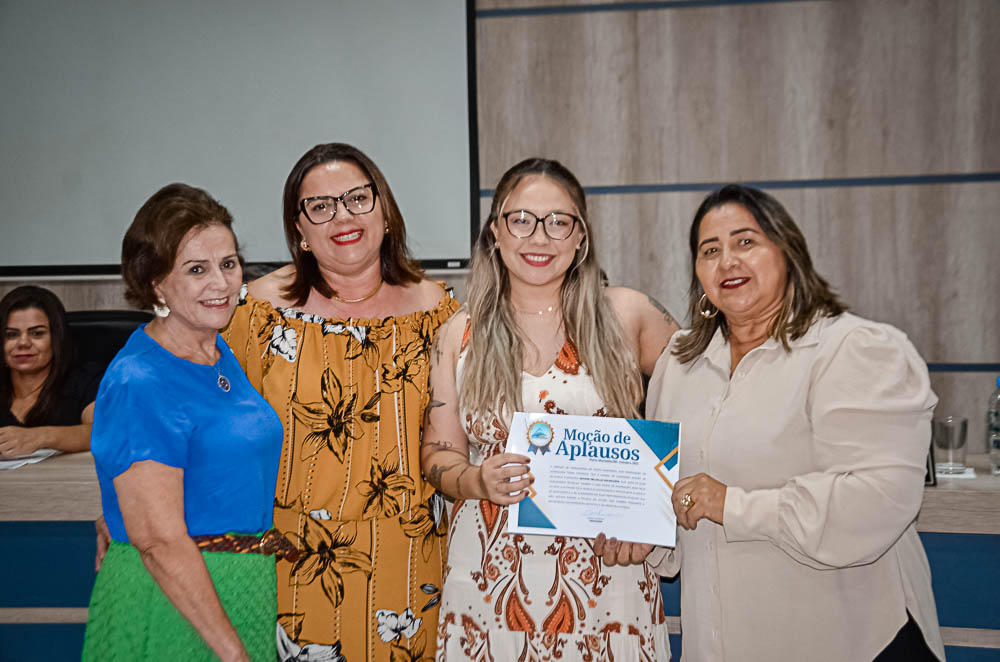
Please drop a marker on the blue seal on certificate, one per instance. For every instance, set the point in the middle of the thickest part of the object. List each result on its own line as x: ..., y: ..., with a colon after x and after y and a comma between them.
x: 539, y: 435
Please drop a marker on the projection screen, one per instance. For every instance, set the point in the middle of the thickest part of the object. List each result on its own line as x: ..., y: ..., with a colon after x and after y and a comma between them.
x: 106, y: 101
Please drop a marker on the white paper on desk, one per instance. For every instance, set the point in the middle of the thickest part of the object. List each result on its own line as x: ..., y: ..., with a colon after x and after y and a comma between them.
x: 597, y: 475
x: 37, y: 456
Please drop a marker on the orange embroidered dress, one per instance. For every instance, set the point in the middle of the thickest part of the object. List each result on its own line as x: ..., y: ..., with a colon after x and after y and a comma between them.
x: 350, y: 495
x: 518, y: 597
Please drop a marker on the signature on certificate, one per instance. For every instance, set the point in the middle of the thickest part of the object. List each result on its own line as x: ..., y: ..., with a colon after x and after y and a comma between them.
x: 597, y: 514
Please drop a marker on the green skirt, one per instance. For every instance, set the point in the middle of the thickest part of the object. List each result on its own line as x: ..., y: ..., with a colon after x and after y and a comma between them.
x: 131, y: 619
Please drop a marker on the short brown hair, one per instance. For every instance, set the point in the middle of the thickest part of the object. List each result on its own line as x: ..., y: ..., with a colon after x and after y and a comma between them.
x: 807, y: 295
x: 396, y: 262
x: 151, y: 242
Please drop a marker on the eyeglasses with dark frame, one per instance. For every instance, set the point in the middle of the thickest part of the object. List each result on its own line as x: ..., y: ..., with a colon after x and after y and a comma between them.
x: 322, y: 209
x: 557, y: 225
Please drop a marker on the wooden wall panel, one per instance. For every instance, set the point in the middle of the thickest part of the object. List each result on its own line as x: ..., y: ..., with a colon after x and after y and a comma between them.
x: 884, y: 250
x: 923, y: 258
x: 79, y: 293
x: 108, y: 294
x: 765, y: 91
x: 758, y: 91
x: 965, y: 394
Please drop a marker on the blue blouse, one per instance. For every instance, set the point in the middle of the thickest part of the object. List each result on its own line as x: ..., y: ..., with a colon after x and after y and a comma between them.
x: 153, y: 405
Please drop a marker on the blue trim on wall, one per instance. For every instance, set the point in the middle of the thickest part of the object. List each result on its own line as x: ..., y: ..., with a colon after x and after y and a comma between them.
x: 41, y: 641
x: 964, y: 367
x: 605, y: 7
x: 777, y: 184
x: 670, y: 588
x: 964, y: 654
x: 965, y: 571
x: 46, y: 564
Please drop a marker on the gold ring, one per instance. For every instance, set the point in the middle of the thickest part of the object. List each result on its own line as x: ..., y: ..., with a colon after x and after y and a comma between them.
x: 687, y: 501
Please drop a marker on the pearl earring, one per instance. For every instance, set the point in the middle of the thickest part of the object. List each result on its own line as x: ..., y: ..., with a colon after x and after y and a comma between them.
x: 160, y: 308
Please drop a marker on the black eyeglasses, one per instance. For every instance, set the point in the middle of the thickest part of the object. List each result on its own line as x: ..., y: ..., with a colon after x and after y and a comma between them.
x: 557, y: 225
x: 323, y: 208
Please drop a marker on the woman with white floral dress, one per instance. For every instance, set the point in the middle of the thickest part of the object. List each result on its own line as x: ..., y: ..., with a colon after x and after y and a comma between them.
x: 339, y: 343
x: 542, y: 333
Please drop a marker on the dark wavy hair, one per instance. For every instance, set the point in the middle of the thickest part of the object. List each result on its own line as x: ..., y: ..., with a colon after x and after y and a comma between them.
x: 23, y: 298
x: 807, y: 295
x: 397, y: 264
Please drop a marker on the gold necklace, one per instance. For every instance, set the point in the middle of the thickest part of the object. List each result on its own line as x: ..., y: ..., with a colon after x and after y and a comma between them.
x: 364, y: 298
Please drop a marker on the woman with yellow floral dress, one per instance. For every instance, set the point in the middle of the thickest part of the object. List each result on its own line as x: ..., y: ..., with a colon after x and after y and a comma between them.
x: 338, y: 342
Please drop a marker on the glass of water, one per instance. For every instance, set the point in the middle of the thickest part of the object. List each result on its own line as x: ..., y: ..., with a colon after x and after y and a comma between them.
x: 995, y: 453
x: 949, y: 434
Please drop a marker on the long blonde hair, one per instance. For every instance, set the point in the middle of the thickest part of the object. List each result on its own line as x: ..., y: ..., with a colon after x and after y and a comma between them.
x: 491, y: 384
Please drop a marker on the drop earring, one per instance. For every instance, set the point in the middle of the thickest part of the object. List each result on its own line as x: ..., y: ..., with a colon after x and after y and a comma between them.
x: 160, y: 308
x: 304, y: 245
x: 707, y: 314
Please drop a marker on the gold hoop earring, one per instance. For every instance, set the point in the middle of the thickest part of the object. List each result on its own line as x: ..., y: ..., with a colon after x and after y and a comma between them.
x: 701, y: 308
x: 304, y: 245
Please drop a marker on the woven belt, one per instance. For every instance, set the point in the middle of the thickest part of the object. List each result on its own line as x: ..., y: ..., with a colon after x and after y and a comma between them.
x: 272, y: 542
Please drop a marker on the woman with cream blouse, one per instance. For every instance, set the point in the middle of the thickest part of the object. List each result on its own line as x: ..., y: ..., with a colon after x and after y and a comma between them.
x: 805, y: 435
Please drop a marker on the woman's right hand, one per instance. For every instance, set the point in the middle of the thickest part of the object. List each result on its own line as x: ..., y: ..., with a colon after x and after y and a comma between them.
x: 620, y: 552
x: 103, y: 541
x: 504, y: 478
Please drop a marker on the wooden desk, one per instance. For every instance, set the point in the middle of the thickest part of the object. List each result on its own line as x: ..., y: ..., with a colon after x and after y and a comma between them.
x: 963, y: 505
x: 59, y: 488
x: 64, y: 488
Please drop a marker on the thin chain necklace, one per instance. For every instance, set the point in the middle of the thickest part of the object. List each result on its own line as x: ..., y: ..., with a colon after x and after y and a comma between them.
x: 31, y: 392
x: 164, y: 340
x: 543, y: 311
x: 364, y: 298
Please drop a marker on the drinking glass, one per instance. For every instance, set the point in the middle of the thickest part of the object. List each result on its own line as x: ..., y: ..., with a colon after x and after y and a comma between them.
x: 949, y: 433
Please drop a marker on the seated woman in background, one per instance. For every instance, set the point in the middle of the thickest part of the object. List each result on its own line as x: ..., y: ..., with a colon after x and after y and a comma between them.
x: 806, y: 432
x: 541, y: 333
x: 45, y: 404
x: 186, y: 452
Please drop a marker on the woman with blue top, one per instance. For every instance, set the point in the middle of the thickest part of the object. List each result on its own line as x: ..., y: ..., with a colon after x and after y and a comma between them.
x: 186, y: 453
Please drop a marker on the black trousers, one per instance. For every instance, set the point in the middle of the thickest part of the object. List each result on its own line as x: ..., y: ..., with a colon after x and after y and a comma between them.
x: 908, y: 646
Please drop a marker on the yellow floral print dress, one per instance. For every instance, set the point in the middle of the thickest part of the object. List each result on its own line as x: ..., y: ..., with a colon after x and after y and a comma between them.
x: 351, y: 395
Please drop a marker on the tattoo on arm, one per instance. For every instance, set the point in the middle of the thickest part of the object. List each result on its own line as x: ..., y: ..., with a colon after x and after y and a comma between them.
x: 441, y: 444
x: 434, y: 402
x: 663, y: 311
x: 436, y: 472
x: 458, y: 481
x: 439, y: 339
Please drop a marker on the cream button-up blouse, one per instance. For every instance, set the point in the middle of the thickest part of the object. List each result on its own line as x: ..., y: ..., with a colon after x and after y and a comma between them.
x: 823, y: 450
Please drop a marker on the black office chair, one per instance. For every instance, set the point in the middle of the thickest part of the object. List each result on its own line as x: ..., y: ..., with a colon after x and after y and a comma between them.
x: 97, y: 335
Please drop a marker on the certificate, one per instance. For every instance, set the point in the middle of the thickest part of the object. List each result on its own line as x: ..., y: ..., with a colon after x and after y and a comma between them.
x: 596, y: 475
